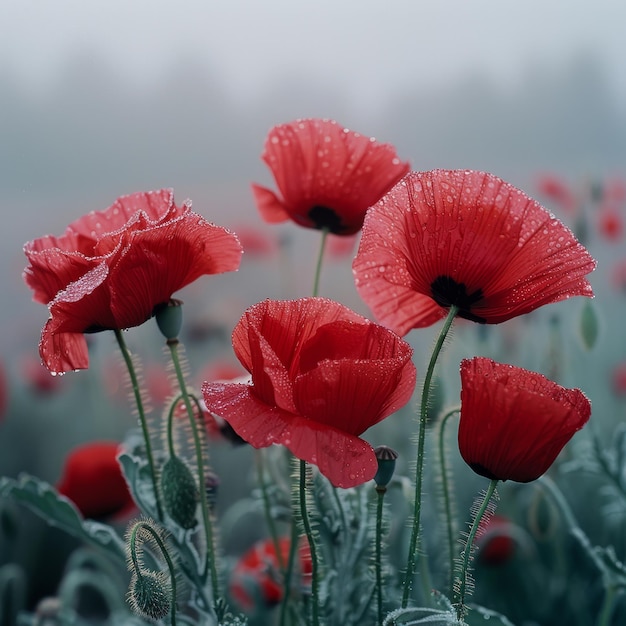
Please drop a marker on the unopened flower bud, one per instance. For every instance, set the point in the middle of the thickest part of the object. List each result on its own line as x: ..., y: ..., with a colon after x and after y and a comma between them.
x: 180, y: 493
x: 150, y: 594
x: 169, y: 318
x: 386, y: 457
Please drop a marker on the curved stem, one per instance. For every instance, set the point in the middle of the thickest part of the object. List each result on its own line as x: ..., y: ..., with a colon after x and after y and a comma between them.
x: 309, y: 535
x: 142, y: 417
x: 379, y: 574
x: 318, y: 266
x: 447, y: 502
x: 419, y: 470
x: 164, y: 553
x: 204, y: 505
x: 467, y: 552
x: 608, y: 606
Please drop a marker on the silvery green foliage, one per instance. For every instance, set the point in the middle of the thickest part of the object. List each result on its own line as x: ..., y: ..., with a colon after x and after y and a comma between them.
x: 43, y: 499
x: 343, y: 520
x: 444, y: 614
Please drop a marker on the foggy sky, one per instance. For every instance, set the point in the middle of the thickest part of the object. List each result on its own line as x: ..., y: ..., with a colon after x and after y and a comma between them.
x: 102, y: 99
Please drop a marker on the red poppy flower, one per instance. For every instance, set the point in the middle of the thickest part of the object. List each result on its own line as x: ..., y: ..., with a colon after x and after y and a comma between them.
x: 610, y: 224
x: 514, y: 422
x: 495, y: 542
x: 37, y: 377
x: 112, y: 268
x: 328, y: 175
x: 256, y: 576
x: 619, y: 379
x: 557, y: 190
x: 92, y: 479
x: 618, y: 275
x: 464, y: 238
x: 321, y: 376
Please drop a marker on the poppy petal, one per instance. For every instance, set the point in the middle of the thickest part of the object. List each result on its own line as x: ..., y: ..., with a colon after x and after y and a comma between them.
x: 270, y: 207
x: 328, y: 175
x: 514, y: 423
x: 465, y: 238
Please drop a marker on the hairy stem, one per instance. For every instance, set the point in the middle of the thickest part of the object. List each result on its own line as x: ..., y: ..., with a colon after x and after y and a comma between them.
x: 447, y: 501
x: 209, y: 562
x: 466, y: 555
x: 142, y: 417
x: 419, y: 470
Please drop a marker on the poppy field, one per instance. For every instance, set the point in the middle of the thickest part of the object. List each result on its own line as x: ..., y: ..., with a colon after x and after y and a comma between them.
x: 442, y: 446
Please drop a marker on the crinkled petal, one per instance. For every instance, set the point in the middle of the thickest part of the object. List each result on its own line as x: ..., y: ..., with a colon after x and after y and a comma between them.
x: 63, y: 352
x: 159, y: 261
x: 287, y: 325
x: 51, y: 270
x: 345, y: 460
x: 354, y: 395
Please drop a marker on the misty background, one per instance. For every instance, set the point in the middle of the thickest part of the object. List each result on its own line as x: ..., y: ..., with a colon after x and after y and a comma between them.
x: 101, y: 99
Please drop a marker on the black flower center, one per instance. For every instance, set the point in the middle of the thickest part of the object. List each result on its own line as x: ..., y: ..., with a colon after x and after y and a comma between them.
x: 324, y: 217
x: 483, y: 471
x: 446, y: 292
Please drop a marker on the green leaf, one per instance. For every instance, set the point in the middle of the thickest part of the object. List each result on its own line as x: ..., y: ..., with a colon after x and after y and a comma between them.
x: 43, y: 499
x: 421, y: 615
x: 480, y: 616
x: 589, y: 325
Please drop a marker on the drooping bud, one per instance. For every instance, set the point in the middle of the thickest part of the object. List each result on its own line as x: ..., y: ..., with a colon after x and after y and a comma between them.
x: 180, y: 492
x: 150, y: 594
x: 169, y: 318
x: 386, y: 457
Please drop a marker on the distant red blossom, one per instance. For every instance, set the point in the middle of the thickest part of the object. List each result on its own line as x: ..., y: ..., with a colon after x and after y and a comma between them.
x: 618, y: 379
x: 610, y: 224
x: 112, y: 268
x: 618, y: 275
x: 558, y: 191
x: 494, y: 539
x: 464, y: 238
x: 514, y: 423
x: 92, y: 479
x: 328, y: 175
x: 37, y: 377
x: 340, y: 247
x: 256, y: 579
x: 321, y: 376
x: 256, y: 242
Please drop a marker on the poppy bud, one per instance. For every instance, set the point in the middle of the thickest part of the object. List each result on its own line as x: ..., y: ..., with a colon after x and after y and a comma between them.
x: 169, y: 318
x: 149, y: 594
x: 180, y: 493
x: 386, y: 458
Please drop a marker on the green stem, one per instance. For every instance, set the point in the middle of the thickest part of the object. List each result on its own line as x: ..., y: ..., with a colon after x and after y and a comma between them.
x: 292, y: 548
x: 467, y: 552
x: 164, y: 552
x: 204, y: 504
x: 419, y: 470
x: 447, y: 501
x: 379, y: 574
x: 318, y: 266
x: 309, y: 535
x: 608, y: 606
x: 142, y: 417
